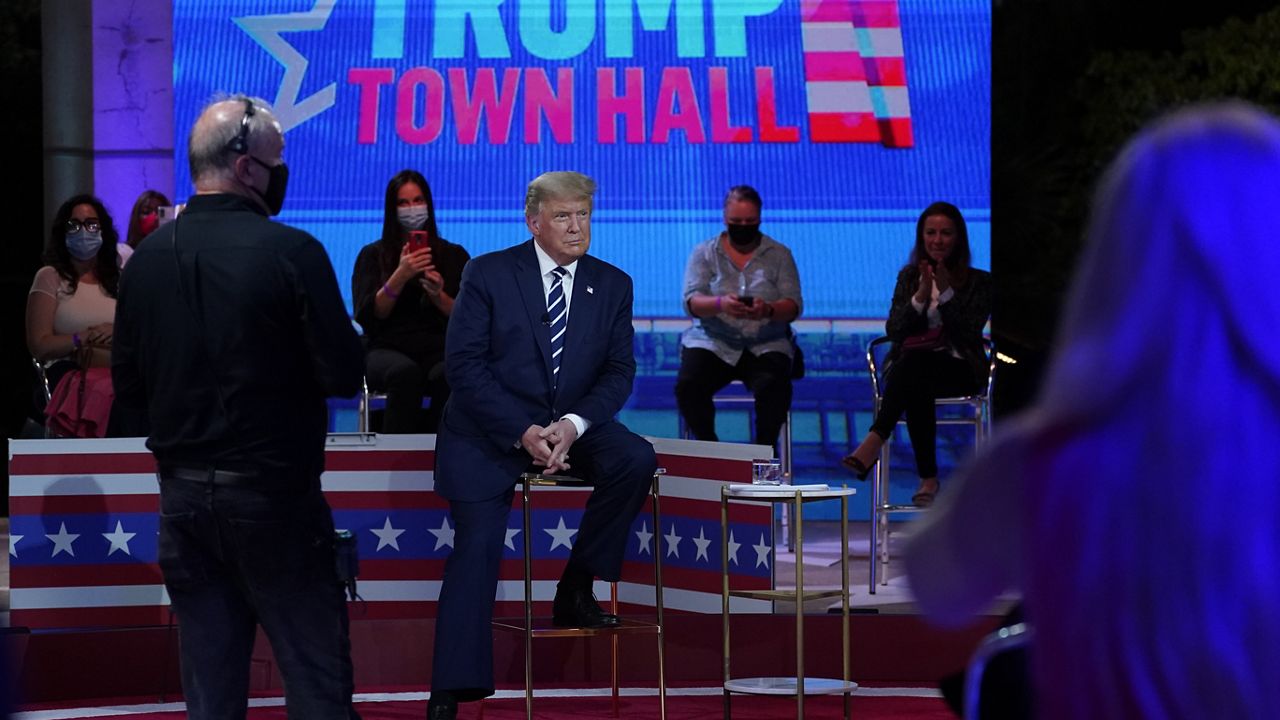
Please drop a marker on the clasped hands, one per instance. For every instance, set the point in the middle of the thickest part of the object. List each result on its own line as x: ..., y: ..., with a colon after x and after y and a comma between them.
x: 549, y: 446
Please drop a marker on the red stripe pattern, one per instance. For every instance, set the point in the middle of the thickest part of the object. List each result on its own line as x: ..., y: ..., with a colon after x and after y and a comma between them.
x: 84, y: 532
x: 855, y: 75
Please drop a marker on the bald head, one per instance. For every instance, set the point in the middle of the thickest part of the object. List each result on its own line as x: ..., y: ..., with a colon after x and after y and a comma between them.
x: 213, y: 148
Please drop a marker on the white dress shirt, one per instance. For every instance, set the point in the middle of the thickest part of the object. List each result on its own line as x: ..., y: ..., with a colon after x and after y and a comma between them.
x: 545, y: 266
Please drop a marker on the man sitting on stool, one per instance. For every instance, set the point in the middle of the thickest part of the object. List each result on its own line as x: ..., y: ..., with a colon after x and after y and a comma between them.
x: 743, y: 291
x: 539, y: 355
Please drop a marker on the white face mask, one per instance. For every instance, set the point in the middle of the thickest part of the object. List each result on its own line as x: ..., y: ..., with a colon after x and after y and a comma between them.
x: 84, y: 245
x: 413, y: 217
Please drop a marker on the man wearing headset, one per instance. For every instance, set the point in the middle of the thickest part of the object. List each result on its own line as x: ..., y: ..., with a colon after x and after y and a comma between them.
x: 230, y: 334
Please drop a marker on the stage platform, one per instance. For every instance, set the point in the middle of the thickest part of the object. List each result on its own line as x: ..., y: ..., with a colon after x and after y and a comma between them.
x: 60, y: 658
x: 891, y: 645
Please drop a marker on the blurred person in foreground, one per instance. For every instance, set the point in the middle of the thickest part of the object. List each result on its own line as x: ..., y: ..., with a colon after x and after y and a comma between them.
x: 1148, y: 599
x: 231, y: 333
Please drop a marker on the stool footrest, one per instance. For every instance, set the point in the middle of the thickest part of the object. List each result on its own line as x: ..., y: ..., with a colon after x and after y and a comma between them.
x: 785, y: 594
x: 543, y: 627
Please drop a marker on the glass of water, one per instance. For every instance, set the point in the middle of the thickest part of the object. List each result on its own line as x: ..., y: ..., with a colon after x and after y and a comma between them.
x: 766, y: 472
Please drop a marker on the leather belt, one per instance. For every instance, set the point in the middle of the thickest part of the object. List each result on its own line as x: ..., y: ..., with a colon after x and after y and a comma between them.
x: 210, y: 475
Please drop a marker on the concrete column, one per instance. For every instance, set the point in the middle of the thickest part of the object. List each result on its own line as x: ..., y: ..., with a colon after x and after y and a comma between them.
x: 67, y: 44
x: 108, y: 101
x: 132, y: 102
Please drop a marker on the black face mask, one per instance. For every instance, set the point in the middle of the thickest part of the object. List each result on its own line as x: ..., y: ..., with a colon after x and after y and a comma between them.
x: 743, y: 236
x: 273, y: 198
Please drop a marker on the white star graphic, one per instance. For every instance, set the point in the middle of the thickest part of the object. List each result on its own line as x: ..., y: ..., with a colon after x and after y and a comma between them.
x: 673, y: 542
x: 645, y: 537
x: 511, y: 537
x: 62, y: 541
x: 444, y: 533
x: 265, y: 30
x: 733, y: 549
x: 119, y: 539
x: 702, y: 541
x: 762, y: 552
x: 13, y: 544
x: 561, y: 535
x: 387, y: 535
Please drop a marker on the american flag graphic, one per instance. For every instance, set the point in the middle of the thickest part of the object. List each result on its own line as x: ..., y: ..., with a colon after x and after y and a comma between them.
x: 855, y: 74
x: 84, y: 529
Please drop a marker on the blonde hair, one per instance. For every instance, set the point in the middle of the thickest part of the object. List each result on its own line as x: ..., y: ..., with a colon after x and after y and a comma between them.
x: 1152, y: 478
x: 559, y: 184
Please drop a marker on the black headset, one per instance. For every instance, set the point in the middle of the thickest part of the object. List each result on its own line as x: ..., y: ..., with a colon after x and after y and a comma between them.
x: 240, y: 143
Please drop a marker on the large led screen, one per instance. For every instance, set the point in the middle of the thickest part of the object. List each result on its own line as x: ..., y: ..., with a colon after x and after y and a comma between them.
x: 849, y: 117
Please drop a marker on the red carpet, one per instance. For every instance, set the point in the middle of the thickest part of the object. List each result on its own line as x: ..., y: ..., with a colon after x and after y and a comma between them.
x: 688, y: 704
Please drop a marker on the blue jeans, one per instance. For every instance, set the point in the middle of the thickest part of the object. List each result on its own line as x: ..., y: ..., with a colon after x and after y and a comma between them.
x: 234, y: 557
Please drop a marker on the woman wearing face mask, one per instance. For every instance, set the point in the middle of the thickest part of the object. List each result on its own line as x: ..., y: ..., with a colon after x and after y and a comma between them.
x: 940, y: 305
x: 742, y: 289
x: 143, y: 220
x: 403, y: 289
x: 72, y: 302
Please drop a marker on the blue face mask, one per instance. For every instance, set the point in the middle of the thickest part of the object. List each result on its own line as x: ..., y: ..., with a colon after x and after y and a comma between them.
x: 84, y: 245
x: 413, y: 217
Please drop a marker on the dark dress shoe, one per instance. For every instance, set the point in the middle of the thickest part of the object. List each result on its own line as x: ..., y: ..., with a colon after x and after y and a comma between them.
x: 578, y: 608
x: 442, y: 707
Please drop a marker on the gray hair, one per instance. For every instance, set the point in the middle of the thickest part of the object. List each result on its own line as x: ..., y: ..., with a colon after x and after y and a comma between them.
x: 560, y: 184
x: 744, y: 193
x: 217, y: 126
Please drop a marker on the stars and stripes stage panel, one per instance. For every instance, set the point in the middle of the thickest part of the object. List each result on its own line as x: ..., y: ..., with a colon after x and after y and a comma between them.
x: 84, y: 529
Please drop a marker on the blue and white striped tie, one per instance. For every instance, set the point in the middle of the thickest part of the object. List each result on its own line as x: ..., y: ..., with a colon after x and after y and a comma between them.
x: 558, y: 311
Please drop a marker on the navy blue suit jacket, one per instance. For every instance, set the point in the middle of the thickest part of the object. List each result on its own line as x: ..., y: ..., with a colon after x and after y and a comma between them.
x: 498, y: 363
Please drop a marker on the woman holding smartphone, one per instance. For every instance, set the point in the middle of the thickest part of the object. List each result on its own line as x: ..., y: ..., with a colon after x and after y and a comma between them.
x: 940, y: 305
x: 402, y: 289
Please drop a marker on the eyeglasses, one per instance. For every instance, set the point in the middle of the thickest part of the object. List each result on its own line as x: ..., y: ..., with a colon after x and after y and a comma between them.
x: 90, y: 225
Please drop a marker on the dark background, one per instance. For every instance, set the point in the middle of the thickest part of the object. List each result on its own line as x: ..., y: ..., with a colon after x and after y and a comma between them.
x: 1072, y: 79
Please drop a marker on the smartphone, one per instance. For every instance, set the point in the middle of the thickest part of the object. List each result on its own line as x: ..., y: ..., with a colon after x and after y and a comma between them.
x: 747, y: 300
x: 165, y: 213
x: 417, y: 240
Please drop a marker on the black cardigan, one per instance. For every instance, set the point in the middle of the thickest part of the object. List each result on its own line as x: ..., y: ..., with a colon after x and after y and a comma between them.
x: 963, y: 317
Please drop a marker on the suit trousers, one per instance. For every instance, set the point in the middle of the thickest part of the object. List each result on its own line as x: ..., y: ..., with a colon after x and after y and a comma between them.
x: 911, y: 384
x: 620, y: 465
x: 234, y: 557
